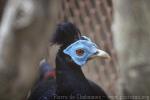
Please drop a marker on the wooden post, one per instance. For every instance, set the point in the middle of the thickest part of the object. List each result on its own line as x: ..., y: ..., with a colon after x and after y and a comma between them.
x: 131, y: 30
x: 25, y: 29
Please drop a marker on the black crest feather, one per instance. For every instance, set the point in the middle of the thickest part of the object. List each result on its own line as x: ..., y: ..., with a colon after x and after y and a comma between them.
x: 65, y: 33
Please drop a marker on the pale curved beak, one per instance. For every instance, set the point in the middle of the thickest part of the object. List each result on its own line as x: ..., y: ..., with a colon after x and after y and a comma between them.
x: 100, y: 54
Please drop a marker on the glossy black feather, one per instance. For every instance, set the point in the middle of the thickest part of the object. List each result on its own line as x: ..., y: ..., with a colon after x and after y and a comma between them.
x: 70, y: 81
x: 65, y: 33
x: 46, y: 70
x: 45, y: 86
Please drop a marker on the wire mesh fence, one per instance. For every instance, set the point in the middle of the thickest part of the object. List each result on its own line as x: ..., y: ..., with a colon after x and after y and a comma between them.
x: 94, y: 18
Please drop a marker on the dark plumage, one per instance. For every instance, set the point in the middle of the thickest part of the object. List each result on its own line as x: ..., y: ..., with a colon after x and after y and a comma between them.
x: 42, y: 89
x: 65, y: 34
x: 70, y: 81
x: 46, y: 71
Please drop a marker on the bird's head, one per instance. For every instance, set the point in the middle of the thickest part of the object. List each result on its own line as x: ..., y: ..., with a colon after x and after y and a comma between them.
x: 79, y: 49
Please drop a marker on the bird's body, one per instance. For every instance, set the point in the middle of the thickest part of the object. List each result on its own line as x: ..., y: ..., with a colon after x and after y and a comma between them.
x: 70, y: 82
x: 42, y: 90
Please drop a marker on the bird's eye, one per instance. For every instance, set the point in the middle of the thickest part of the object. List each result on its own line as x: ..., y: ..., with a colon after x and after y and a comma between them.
x: 80, y: 52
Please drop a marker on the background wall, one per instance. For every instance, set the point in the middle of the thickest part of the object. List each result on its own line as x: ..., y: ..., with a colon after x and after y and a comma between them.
x: 94, y: 18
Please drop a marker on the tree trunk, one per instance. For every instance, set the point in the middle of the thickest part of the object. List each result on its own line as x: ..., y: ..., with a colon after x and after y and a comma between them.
x: 26, y: 26
x: 131, y: 29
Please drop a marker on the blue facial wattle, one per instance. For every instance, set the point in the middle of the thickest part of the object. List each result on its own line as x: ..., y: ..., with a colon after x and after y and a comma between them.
x: 86, y: 45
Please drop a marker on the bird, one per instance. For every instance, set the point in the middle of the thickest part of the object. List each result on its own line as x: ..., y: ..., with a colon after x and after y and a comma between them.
x: 70, y: 82
x: 46, y: 71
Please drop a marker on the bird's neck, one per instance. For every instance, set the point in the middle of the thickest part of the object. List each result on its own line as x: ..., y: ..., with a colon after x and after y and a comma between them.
x: 69, y: 76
